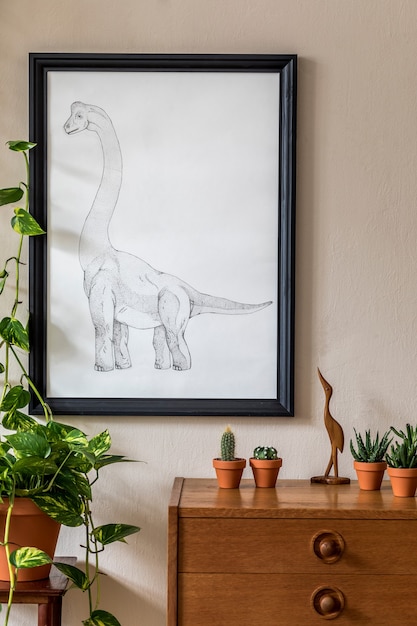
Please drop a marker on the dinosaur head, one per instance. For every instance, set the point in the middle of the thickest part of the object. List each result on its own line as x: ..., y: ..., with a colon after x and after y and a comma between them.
x: 78, y: 120
x: 84, y: 117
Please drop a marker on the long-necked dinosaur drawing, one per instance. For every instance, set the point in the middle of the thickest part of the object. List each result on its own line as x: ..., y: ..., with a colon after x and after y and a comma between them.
x: 122, y: 289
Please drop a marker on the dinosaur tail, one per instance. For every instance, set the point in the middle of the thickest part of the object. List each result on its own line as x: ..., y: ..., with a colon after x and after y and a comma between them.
x: 203, y: 303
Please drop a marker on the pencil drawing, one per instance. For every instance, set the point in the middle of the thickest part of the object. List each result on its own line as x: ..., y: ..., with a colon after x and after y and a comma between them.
x: 123, y: 290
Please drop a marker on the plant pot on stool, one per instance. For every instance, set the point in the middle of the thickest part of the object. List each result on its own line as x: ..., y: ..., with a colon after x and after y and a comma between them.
x: 29, y: 527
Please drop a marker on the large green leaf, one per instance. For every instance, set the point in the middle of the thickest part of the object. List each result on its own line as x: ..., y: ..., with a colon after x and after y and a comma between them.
x: 76, y: 575
x: 27, y: 557
x: 24, y: 224
x: 13, y: 331
x: 20, y: 146
x: 16, y: 398
x: 101, y: 618
x: 59, y: 430
x: 100, y: 443
x: 35, y: 465
x: 76, y: 438
x: 61, y: 507
x: 110, y: 533
x: 9, y: 195
x: 29, y: 444
x: 16, y: 420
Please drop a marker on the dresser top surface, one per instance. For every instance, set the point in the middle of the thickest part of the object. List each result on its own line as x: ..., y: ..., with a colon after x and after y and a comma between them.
x: 200, y: 497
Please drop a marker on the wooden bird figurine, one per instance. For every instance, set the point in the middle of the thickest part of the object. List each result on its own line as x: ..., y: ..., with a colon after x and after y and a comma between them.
x: 336, y: 436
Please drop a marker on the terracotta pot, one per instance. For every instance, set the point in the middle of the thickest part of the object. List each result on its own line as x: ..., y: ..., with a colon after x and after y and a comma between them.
x: 403, y: 481
x: 370, y: 475
x: 29, y: 527
x: 265, y: 471
x: 229, y: 473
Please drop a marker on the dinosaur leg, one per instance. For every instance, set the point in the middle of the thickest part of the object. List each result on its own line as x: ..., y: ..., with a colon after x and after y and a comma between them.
x: 162, y: 353
x: 121, y: 351
x: 174, y: 311
x: 102, y: 314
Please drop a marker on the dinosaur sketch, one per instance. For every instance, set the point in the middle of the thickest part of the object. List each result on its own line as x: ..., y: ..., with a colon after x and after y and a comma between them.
x: 122, y: 289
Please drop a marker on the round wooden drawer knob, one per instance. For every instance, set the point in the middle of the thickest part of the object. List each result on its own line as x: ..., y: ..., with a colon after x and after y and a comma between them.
x: 328, y: 602
x: 328, y: 546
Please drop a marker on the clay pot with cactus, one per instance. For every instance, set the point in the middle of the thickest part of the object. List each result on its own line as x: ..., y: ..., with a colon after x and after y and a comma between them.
x: 228, y: 468
x: 265, y: 465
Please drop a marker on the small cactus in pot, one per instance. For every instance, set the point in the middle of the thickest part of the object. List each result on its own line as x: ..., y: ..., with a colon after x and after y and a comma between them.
x: 265, y: 465
x: 228, y: 468
x: 265, y: 453
x: 227, y: 445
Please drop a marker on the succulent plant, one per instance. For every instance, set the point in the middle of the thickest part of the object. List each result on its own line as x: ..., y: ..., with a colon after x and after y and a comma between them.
x: 227, y: 445
x: 264, y: 453
x: 404, y: 453
x: 370, y: 450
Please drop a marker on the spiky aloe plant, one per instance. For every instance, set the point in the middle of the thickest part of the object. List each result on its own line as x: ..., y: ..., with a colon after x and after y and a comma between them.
x: 227, y: 445
x: 370, y: 450
x: 404, y: 453
x: 265, y: 453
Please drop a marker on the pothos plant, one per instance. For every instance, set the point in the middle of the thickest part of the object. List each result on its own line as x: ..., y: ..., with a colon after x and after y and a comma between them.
x: 53, y: 464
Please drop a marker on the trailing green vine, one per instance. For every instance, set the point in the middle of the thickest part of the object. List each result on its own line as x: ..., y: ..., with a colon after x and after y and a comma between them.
x: 52, y: 463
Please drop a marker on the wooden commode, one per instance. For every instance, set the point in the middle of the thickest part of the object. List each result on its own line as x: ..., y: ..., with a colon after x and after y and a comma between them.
x: 297, y: 555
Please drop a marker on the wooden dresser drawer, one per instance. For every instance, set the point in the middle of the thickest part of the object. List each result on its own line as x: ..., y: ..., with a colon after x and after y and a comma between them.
x: 287, y: 600
x: 280, y: 546
x: 297, y: 555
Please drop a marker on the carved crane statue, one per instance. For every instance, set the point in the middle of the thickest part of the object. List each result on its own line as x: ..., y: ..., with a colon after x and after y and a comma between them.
x: 336, y: 436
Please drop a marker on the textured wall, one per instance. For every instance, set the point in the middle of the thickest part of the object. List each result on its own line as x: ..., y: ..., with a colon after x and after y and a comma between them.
x: 356, y: 239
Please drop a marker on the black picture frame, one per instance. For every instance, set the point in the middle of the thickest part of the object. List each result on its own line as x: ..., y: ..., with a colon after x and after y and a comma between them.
x: 284, y: 67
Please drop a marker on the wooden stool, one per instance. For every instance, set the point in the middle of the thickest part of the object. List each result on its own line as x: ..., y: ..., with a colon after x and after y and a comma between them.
x: 46, y: 593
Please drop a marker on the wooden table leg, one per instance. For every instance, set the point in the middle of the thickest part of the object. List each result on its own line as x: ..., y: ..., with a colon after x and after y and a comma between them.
x: 43, y: 617
x: 56, y: 611
x: 50, y: 614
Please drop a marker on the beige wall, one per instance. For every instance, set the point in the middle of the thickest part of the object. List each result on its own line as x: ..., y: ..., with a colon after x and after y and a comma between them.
x: 356, y: 238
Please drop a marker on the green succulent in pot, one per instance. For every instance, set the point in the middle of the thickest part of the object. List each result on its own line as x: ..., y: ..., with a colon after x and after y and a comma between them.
x: 403, y: 454
x: 370, y: 449
x: 53, y: 464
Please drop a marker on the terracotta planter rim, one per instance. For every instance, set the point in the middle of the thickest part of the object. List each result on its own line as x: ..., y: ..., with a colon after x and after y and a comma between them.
x: 265, y: 463
x: 402, y: 471
x: 236, y: 463
x: 23, y: 505
x: 371, y: 466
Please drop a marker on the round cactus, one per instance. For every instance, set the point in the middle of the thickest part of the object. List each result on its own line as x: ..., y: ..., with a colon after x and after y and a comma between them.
x: 265, y: 453
x: 227, y: 445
